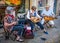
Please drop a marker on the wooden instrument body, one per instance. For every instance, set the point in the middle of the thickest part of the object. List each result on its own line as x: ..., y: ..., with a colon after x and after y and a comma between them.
x: 35, y: 19
x: 48, y: 18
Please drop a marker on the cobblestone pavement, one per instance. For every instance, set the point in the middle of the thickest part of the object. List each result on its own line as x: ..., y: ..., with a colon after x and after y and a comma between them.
x: 52, y: 37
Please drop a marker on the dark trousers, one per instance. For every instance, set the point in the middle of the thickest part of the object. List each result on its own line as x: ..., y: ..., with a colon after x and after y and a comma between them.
x: 32, y: 24
x: 19, y: 29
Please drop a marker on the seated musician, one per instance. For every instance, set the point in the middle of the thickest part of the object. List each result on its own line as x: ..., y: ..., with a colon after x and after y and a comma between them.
x: 9, y: 23
x: 48, y: 12
x: 30, y: 18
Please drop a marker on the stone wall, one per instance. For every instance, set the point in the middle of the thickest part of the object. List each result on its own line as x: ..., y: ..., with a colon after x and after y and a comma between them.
x: 58, y: 7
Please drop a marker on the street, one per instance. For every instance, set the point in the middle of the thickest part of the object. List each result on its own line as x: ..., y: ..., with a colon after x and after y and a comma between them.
x: 52, y: 37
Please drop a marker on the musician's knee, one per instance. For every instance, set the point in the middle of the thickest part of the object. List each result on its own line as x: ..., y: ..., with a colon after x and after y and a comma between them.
x: 51, y: 22
x: 42, y: 21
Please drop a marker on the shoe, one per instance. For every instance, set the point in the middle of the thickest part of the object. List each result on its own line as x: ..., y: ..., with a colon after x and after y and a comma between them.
x: 43, y: 39
x: 6, y: 37
x: 20, y: 40
x: 45, y: 32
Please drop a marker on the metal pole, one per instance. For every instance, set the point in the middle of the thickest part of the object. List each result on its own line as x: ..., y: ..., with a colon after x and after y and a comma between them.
x: 29, y: 4
x: 46, y: 1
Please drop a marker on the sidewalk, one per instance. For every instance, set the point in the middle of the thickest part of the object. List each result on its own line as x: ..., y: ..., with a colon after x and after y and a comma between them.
x: 52, y: 37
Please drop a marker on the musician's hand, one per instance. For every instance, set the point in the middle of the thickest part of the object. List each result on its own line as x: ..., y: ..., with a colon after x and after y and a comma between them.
x: 32, y: 18
x: 14, y: 23
x: 44, y: 15
x: 39, y: 18
x: 53, y: 16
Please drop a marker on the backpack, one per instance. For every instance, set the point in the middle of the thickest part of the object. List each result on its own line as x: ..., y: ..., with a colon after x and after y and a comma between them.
x: 28, y: 33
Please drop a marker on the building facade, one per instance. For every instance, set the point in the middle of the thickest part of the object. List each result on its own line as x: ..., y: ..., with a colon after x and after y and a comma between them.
x: 27, y: 4
x: 58, y: 7
x: 54, y: 4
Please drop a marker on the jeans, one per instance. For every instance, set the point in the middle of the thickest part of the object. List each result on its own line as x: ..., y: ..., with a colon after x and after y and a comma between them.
x: 18, y: 28
x: 32, y: 24
x: 40, y: 25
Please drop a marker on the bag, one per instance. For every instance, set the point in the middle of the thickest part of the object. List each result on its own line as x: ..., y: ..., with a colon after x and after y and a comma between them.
x: 28, y: 33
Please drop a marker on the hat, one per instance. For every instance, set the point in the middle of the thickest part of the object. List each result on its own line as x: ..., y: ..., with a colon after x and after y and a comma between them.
x: 9, y: 8
x: 47, y: 6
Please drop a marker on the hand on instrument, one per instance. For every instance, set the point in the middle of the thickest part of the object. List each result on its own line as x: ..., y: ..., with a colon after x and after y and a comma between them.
x: 44, y: 15
x: 32, y: 18
x: 14, y: 23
